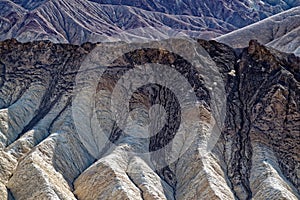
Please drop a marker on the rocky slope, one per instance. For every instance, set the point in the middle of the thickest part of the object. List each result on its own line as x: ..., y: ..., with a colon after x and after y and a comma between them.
x: 45, y: 156
x: 238, y: 13
x: 76, y: 22
x: 280, y: 31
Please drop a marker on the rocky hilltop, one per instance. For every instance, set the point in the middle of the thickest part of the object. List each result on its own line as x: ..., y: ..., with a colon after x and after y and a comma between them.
x: 43, y: 155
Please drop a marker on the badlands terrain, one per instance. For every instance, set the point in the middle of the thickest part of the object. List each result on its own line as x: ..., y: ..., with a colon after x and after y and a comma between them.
x: 227, y: 99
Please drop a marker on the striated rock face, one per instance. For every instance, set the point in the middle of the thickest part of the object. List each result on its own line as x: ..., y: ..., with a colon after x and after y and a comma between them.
x: 43, y: 154
x: 40, y: 151
x: 280, y: 31
x: 261, y: 124
x: 80, y: 21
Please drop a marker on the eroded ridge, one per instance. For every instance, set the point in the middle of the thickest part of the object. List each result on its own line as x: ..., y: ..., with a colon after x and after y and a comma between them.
x: 42, y: 155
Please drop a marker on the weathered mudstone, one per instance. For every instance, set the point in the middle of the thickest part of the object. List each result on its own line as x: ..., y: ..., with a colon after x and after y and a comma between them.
x: 43, y: 157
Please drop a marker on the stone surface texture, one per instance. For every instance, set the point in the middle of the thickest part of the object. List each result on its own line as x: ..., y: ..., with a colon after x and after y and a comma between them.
x: 280, y: 31
x: 42, y: 156
x: 79, y: 21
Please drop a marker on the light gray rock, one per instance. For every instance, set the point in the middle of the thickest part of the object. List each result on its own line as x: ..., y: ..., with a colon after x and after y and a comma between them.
x: 280, y: 31
x: 3, y: 192
x: 43, y: 156
x: 53, y: 165
x: 267, y: 180
x: 66, y: 21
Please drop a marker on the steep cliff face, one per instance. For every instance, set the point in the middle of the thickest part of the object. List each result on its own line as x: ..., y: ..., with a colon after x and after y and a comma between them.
x: 261, y: 122
x: 44, y: 156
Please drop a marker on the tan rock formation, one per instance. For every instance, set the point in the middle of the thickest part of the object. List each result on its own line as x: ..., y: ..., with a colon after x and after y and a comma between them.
x: 43, y: 156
